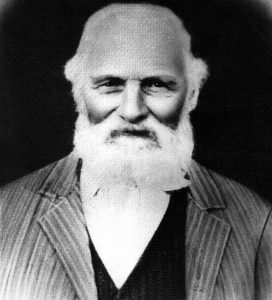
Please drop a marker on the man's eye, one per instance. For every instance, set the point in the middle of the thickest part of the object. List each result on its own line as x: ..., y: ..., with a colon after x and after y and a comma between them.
x: 113, y: 82
x: 111, y: 86
x: 155, y: 86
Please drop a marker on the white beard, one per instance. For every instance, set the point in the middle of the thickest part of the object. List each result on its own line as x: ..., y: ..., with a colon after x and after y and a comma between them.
x: 159, y: 160
x: 123, y: 182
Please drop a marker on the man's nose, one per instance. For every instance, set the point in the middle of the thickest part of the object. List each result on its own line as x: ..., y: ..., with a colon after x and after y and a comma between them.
x: 133, y: 108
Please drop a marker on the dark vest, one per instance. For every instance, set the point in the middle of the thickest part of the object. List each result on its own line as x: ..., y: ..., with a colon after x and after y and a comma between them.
x: 160, y: 272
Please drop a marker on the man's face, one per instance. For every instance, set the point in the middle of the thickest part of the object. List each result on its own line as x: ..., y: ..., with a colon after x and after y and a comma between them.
x: 130, y: 88
x: 135, y: 71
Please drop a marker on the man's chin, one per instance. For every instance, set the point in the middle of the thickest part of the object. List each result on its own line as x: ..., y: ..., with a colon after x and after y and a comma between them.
x: 133, y: 143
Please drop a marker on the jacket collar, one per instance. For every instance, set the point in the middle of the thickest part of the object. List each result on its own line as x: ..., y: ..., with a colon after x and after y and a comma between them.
x: 62, y: 177
x: 206, y: 196
x: 57, y: 179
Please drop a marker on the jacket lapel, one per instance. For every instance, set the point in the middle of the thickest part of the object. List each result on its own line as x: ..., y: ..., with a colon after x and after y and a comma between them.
x: 64, y: 226
x: 206, y: 235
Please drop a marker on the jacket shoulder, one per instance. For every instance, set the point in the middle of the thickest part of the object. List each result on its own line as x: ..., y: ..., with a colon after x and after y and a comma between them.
x: 57, y: 178
x: 32, y: 181
x: 238, y: 199
x: 243, y: 210
x: 19, y: 193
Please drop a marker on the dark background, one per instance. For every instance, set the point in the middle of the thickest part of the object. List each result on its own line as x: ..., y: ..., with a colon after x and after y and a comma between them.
x: 232, y: 121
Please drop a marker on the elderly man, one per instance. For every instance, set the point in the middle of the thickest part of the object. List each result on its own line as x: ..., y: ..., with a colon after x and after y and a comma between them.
x: 129, y: 214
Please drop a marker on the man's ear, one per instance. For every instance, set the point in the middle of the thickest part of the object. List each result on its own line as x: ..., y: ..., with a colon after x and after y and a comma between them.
x: 79, y: 97
x: 191, y: 101
x: 198, y: 74
x: 73, y: 68
x: 73, y: 71
x: 69, y: 69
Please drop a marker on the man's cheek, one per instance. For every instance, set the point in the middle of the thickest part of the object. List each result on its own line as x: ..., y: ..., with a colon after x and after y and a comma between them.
x: 97, y: 113
x: 99, y: 110
x: 167, y: 112
x: 170, y: 119
x: 95, y: 118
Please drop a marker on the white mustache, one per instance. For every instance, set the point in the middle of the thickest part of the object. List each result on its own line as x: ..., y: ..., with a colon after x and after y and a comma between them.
x: 141, y: 132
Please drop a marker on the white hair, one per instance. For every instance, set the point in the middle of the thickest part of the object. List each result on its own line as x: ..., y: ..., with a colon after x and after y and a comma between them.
x: 196, y: 68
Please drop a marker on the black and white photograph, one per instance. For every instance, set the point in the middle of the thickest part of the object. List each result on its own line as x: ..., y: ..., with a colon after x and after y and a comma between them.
x: 135, y: 149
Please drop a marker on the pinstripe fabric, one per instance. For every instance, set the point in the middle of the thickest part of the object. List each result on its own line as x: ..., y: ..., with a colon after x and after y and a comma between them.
x: 44, y: 244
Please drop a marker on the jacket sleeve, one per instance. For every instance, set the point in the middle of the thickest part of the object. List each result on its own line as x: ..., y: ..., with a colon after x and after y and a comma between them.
x: 263, y: 264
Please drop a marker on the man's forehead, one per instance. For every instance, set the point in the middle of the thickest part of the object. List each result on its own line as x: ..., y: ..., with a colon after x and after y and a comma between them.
x: 133, y: 37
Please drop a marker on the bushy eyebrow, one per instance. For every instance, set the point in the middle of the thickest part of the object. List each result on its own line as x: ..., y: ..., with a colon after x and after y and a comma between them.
x: 165, y: 79
x: 103, y: 78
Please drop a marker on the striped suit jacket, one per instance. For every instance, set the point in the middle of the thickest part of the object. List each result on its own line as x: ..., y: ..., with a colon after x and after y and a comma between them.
x: 45, y: 251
